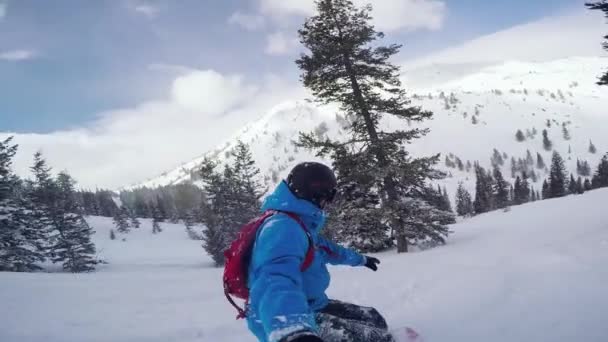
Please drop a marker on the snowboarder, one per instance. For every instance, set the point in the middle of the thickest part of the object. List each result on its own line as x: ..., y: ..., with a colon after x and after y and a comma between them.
x: 288, y: 304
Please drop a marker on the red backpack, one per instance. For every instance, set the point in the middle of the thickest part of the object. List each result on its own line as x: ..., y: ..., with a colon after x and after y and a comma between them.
x: 238, y: 257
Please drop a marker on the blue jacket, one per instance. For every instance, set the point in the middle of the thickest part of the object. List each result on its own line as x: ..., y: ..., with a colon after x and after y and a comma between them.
x: 283, y: 299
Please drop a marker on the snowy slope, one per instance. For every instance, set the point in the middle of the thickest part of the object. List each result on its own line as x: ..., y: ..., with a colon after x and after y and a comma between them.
x: 504, y: 98
x: 536, y: 273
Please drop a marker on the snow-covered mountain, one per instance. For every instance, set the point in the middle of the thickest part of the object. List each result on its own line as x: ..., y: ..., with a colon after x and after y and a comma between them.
x: 478, y: 108
x: 536, y: 273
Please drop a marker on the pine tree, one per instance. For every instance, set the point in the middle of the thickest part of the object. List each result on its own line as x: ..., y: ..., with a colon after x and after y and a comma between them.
x: 248, y: 188
x: 592, y: 148
x: 601, y: 5
x: 529, y: 158
x: 540, y: 162
x: 464, y: 204
x: 345, y: 64
x: 70, y: 238
x: 447, y: 205
x: 565, y: 132
x: 600, y: 178
x: 557, y: 177
x: 121, y: 220
x: 160, y: 210
x: 546, y: 193
x: 522, y: 191
x: 533, y: 195
x: 459, y: 164
x: 587, y: 185
x: 156, y: 225
x: 580, y: 189
x: 157, y: 216
x: 572, y: 189
x: 112, y: 234
x: 519, y: 136
x: 501, y: 190
x: 547, y: 144
x: 497, y: 158
x: 134, y: 222
x: 514, y: 168
x: 20, y: 242
x: 483, y: 191
x: 355, y: 218
x: 232, y: 200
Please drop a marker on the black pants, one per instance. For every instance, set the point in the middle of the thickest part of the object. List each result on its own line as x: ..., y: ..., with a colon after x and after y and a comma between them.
x: 344, y: 322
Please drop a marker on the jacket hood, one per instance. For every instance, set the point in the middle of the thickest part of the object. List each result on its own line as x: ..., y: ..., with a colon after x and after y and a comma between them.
x: 282, y: 199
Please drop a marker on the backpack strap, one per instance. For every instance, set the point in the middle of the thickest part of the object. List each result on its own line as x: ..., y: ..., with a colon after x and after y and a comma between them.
x: 310, y: 253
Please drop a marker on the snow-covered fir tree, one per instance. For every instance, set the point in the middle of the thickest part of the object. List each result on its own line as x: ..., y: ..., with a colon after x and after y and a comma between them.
x: 355, y: 217
x: 600, y: 177
x: 545, y: 191
x: 339, y: 39
x: 500, y: 189
x: 587, y: 184
x: 133, y: 220
x: 112, y: 234
x: 547, y: 144
x: 70, y: 238
x: 540, y: 162
x: 484, y: 200
x: 121, y: 220
x: 583, y: 168
x: 156, y: 225
x: 232, y: 199
x: 521, y: 190
x: 20, y: 242
x: 572, y: 190
x: 592, y: 148
x: 519, y: 136
x: 557, y: 177
x: 464, y: 203
x: 580, y: 188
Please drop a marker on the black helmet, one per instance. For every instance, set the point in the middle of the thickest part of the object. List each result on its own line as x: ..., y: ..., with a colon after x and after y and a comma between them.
x: 313, y: 182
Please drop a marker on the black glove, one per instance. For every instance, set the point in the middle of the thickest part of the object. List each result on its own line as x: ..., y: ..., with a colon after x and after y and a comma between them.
x: 372, y: 263
x: 304, y: 336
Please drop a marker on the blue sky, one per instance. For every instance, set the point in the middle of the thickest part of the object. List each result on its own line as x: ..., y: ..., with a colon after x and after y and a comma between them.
x: 62, y: 64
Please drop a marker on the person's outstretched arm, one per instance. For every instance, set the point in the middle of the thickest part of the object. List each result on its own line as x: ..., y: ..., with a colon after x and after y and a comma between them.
x: 338, y: 255
x: 277, y: 287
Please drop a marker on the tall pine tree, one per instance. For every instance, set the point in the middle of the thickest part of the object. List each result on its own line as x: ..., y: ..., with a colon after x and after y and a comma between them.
x: 346, y: 64
x: 557, y: 177
x: 20, y: 242
x: 501, y: 190
x: 600, y: 178
x: 70, y: 237
x: 484, y: 199
x: 121, y: 220
x: 464, y: 204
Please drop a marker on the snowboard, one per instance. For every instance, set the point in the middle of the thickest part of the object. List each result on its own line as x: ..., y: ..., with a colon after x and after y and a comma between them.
x: 406, y: 334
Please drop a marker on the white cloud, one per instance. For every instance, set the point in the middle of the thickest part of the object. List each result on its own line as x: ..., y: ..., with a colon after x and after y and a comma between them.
x: 389, y: 15
x: 147, y: 10
x: 279, y: 43
x: 398, y: 15
x: 3, y: 7
x: 282, y: 7
x: 129, y: 145
x: 560, y: 36
x: 250, y: 22
x: 17, y: 55
x: 209, y: 91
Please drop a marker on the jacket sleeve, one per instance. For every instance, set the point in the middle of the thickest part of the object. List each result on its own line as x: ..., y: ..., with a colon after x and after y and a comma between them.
x: 277, y: 287
x: 338, y: 255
